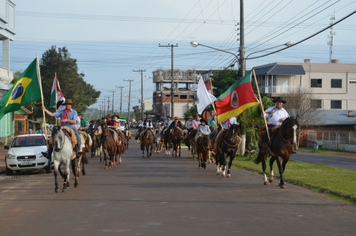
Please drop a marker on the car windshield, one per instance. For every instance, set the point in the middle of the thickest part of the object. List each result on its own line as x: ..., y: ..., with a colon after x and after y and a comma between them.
x: 28, y: 141
x: 122, y: 122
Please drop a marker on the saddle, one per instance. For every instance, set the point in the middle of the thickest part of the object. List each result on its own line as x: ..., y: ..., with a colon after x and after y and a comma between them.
x: 86, y: 137
x: 69, y: 133
x: 115, y: 136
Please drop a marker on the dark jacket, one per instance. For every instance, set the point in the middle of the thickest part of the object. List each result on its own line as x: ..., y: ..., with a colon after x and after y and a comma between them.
x: 174, y: 123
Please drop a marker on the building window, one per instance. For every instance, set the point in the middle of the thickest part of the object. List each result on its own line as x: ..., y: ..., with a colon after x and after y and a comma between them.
x: 352, y: 81
x: 19, y: 126
x: 191, y: 96
x: 335, y: 104
x: 168, y: 95
x: 316, y: 104
x: 316, y: 83
x: 336, y: 83
x: 175, y: 95
x: 183, y: 96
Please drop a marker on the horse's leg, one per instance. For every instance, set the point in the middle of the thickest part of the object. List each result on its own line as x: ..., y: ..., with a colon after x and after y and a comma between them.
x: 180, y: 147
x: 106, y: 157
x: 232, y: 157
x: 66, y: 176
x: 280, y: 168
x: 271, y: 161
x: 77, y: 169
x: 150, y: 151
x: 223, y: 157
x: 84, y: 156
x: 56, y: 165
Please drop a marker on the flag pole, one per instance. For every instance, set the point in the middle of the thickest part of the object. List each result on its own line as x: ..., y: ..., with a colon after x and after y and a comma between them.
x: 211, y: 87
x: 40, y: 82
x: 55, y: 100
x: 263, y: 112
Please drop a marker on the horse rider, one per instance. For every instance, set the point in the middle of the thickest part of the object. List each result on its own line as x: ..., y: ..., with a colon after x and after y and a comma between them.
x: 211, y: 123
x: 93, y: 126
x: 175, y: 124
x: 203, y: 128
x: 195, y: 124
x: 115, y: 119
x: 276, y: 115
x: 226, y: 124
x: 83, y: 122
x: 168, y: 121
x: 188, y: 126
x: 68, y: 117
x: 145, y: 125
x: 159, y: 124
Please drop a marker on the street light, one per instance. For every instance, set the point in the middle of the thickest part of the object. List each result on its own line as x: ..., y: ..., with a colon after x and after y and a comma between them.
x: 195, y: 44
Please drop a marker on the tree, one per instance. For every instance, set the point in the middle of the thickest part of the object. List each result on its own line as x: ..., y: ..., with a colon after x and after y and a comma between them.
x: 299, y: 104
x: 71, y: 81
x: 190, y: 112
x: 137, y: 112
x: 223, y: 80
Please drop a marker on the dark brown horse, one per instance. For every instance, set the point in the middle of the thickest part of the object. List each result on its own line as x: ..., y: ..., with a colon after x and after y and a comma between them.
x: 108, y: 145
x: 127, y: 137
x: 176, y: 141
x: 228, y: 147
x: 87, y: 149
x: 96, y: 146
x: 167, y: 141
x: 192, y: 143
x: 148, y: 142
x: 203, y: 148
x: 282, y: 142
x: 120, y: 146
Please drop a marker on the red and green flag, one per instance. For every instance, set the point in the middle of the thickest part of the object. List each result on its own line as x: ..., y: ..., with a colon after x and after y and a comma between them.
x: 25, y: 90
x: 236, y: 99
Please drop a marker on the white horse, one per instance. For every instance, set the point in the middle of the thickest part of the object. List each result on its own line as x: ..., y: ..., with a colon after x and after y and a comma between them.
x: 63, y: 153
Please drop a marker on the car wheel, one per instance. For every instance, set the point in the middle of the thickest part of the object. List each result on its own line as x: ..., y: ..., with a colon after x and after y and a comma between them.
x: 8, y: 171
x: 48, y: 169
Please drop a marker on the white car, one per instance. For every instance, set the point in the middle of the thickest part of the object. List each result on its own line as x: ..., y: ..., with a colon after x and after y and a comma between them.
x: 122, y: 124
x: 25, y: 153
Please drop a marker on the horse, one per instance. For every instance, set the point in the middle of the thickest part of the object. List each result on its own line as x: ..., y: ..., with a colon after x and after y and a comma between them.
x: 96, y: 146
x: 120, y: 146
x: 138, y: 134
x: 108, y: 145
x: 176, y: 141
x: 167, y: 141
x: 86, y: 139
x: 186, y: 141
x: 63, y: 153
x: 148, y: 142
x: 128, y: 137
x: 203, y: 148
x: 281, y: 145
x: 229, y: 146
x: 159, y: 139
x: 192, y: 143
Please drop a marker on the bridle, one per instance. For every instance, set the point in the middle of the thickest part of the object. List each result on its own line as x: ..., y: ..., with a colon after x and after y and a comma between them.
x: 61, y: 134
x: 231, y: 145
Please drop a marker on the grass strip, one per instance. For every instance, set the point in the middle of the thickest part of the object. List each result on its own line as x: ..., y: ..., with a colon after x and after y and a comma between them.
x: 331, y: 180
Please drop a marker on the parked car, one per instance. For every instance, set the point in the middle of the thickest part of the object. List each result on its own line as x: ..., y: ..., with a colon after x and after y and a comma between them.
x: 25, y: 153
x: 122, y: 124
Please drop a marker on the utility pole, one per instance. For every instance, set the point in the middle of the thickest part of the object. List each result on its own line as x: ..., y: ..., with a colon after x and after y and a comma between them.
x: 104, y: 106
x: 172, y: 75
x: 331, y: 38
x: 120, y: 87
x: 112, y: 108
x: 141, y: 71
x: 242, y: 62
x: 128, y: 114
x: 108, y: 104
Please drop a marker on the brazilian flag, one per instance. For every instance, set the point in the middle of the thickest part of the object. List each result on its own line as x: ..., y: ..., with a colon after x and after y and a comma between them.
x: 25, y: 90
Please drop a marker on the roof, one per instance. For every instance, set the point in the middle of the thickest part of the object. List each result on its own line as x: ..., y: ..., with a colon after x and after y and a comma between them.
x: 334, y: 118
x: 275, y: 69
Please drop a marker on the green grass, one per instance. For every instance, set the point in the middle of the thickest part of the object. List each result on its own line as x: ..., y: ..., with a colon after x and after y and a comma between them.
x: 322, y: 151
x: 333, y: 180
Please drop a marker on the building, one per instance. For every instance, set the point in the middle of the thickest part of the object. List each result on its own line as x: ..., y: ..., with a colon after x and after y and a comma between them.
x: 332, y: 84
x: 21, y: 122
x: 7, y: 33
x: 184, y: 88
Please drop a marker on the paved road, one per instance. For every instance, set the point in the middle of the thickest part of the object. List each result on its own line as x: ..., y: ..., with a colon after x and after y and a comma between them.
x: 334, y: 161
x: 166, y: 196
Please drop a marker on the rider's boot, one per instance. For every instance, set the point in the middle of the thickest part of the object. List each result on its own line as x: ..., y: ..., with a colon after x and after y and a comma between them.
x: 48, y: 154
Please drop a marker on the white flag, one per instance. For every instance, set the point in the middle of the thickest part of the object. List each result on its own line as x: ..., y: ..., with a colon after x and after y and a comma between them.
x: 204, y: 98
x: 60, y: 98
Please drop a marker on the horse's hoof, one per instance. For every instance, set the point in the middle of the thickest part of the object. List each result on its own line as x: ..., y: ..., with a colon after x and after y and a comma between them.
x: 106, y: 167
x: 228, y: 175
x: 101, y: 162
x: 143, y: 155
x: 266, y: 183
x: 76, y: 185
x: 110, y: 167
x: 56, y: 190
x: 270, y: 180
x: 83, y: 172
x: 282, y: 186
x: 64, y: 190
x: 120, y: 162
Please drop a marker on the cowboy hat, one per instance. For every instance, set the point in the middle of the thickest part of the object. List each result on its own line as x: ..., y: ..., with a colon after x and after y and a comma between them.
x: 279, y: 99
x: 115, y: 115
x: 197, y: 114
x: 203, y: 120
x: 104, y: 118
x: 190, y: 117
x: 68, y: 101
x: 147, y: 117
x: 176, y: 118
x: 168, y: 116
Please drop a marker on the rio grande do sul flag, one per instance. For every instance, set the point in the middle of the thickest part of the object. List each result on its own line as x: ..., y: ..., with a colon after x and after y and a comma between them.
x: 60, y: 98
x: 25, y: 90
x: 236, y: 99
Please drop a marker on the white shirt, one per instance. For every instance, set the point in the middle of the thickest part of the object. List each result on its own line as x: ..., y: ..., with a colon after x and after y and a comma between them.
x: 228, y: 122
x: 274, y: 115
x: 77, y: 124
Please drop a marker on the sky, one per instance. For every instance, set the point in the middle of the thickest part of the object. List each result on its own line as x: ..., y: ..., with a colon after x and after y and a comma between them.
x: 112, y: 38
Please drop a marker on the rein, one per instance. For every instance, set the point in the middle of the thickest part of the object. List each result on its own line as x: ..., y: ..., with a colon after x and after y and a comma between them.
x: 63, y: 141
x: 230, y: 145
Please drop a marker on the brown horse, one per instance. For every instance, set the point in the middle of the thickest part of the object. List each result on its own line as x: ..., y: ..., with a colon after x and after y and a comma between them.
x: 120, y: 146
x: 96, y: 146
x: 108, y: 145
x: 192, y: 143
x: 167, y: 141
x: 87, y: 149
x: 282, y: 142
x: 176, y: 141
x: 148, y: 142
x: 228, y: 147
x: 203, y: 148
x: 127, y: 137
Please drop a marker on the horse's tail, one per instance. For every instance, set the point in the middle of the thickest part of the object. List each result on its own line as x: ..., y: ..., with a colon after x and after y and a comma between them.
x: 258, y: 158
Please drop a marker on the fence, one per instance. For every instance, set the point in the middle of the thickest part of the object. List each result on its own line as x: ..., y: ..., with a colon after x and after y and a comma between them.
x: 335, y: 140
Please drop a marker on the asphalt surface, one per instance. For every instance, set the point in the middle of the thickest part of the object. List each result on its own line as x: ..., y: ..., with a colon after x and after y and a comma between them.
x: 339, y: 162
x: 164, y: 195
